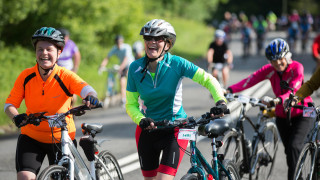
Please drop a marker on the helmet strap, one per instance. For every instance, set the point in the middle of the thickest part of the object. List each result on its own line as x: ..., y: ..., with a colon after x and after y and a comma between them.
x: 144, y: 70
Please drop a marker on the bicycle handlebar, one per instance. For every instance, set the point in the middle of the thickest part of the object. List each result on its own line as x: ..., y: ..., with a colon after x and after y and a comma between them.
x: 246, y: 99
x: 36, y: 118
x: 190, y: 122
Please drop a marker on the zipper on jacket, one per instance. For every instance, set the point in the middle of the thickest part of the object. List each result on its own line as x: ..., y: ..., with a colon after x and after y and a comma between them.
x: 43, y: 88
x: 156, y: 78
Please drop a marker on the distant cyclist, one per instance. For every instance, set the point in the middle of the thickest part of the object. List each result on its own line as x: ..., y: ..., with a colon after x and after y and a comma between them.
x: 138, y: 49
x: 282, y: 68
x: 70, y: 57
x: 124, y: 52
x: 221, y: 56
x: 260, y: 26
x: 306, y: 22
x: 293, y: 30
x: 45, y: 87
x: 246, y: 38
x: 157, y: 79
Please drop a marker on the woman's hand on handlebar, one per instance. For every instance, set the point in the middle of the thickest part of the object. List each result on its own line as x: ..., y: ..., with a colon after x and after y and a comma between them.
x: 290, y: 103
x: 147, y: 124
x: 91, y: 100
x: 219, y: 110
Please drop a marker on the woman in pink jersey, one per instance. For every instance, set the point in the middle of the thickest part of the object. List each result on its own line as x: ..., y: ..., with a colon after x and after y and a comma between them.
x: 282, y: 68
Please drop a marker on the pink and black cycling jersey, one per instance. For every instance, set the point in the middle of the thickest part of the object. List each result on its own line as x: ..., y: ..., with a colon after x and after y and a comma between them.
x: 293, y: 75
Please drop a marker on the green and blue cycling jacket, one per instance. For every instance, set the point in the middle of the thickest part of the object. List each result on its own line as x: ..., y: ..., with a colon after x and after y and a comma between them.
x: 161, y: 95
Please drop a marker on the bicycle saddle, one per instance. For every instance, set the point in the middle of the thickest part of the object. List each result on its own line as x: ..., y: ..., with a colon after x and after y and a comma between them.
x: 92, y: 127
x: 214, y: 128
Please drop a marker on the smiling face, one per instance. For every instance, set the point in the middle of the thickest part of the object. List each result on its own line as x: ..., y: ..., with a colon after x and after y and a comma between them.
x: 280, y: 65
x: 47, y: 54
x: 154, y: 46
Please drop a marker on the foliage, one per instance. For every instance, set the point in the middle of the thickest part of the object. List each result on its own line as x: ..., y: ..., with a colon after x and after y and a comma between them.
x: 191, y: 9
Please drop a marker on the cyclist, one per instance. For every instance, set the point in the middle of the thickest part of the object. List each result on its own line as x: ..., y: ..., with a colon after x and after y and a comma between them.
x: 138, y: 49
x: 124, y: 52
x: 316, y: 50
x: 220, y: 55
x: 260, y: 26
x: 156, y: 79
x: 46, y: 87
x: 70, y: 57
x: 246, y: 39
x: 293, y: 30
x: 306, y: 22
x: 282, y: 68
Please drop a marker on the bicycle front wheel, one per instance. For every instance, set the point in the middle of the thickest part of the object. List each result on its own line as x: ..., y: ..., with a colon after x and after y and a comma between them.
x: 264, y: 151
x: 54, y: 172
x: 305, y: 165
x: 232, y: 171
x: 108, y: 167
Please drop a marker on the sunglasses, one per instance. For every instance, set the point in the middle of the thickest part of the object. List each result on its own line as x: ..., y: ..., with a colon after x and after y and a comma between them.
x: 155, y: 38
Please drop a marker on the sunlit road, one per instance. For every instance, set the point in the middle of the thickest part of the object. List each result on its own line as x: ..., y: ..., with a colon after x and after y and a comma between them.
x: 119, y: 129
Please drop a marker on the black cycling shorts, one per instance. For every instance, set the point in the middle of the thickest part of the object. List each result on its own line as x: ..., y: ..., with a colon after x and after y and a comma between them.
x: 31, y: 153
x: 150, y: 145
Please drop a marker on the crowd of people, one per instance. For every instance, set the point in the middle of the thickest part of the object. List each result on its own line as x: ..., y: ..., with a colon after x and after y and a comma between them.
x: 151, y: 89
x: 297, y: 25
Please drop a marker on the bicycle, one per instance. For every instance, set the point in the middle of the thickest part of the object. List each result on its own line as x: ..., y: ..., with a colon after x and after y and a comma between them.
x: 218, y: 67
x: 71, y: 165
x: 305, y: 167
x: 256, y: 158
x: 200, y: 168
x: 112, y: 96
x: 309, y: 156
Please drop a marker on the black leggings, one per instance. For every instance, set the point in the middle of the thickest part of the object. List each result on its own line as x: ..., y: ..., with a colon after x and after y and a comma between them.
x: 293, y: 138
x: 31, y: 153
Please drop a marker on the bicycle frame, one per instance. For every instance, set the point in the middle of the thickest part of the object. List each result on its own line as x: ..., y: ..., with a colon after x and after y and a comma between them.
x: 247, y: 166
x: 71, y: 156
x: 200, y: 165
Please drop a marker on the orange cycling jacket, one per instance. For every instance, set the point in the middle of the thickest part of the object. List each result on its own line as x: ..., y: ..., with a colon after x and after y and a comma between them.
x: 51, y: 96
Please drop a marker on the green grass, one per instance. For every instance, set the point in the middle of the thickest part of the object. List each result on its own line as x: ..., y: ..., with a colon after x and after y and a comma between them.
x: 192, y: 42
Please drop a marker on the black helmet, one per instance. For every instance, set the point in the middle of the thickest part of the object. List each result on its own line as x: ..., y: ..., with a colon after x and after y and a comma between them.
x: 277, y: 49
x: 48, y: 34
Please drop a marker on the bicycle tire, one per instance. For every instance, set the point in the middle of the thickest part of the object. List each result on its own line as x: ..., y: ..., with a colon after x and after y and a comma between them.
x: 59, y: 173
x: 231, y: 168
x: 266, y: 147
x: 112, y: 167
x: 190, y: 177
x: 231, y: 148
x: 306, y: 161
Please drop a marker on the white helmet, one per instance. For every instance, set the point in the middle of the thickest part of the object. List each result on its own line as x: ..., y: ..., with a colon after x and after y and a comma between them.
x: 159, y: 27
x: 220, y: 34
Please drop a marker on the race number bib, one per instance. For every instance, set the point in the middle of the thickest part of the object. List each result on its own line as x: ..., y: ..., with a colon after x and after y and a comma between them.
x: 309, y: 112
x: 187, y: 134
